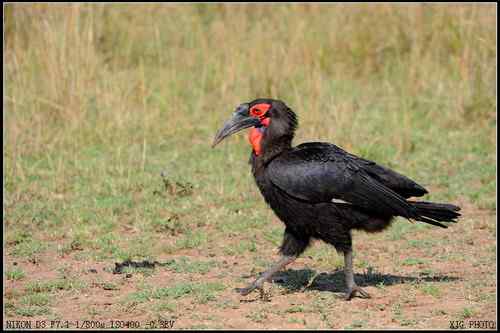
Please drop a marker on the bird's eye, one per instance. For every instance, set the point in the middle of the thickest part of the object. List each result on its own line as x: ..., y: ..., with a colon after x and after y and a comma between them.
x: 259, y: 110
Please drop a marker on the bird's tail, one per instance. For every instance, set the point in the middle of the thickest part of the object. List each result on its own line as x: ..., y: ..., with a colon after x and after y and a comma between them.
x: 433, y: 213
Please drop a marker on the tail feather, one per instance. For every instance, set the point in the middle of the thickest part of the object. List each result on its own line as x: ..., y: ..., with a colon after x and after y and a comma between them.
x: 433, y: 213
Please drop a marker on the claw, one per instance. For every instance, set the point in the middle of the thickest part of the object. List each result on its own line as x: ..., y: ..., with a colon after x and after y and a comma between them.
x: 252, y: 287
x: 356, y: 290
x: 266, y: 276
x: 245, y: 291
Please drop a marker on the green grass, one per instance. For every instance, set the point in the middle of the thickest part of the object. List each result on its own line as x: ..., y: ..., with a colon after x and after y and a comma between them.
x: 431, y: 289
x: 38, y: 296
x: 15, y: 274
x: 258, y: 316
x: 28, y: 249
x: 38, y: 286
x: 295, y: 309
x: 37, y: 299
x: 466, y: 313
x: 191, y: 240
x: 32, y: 311
x: 202, y: 292
x: 110, y: 286
x: 110, y: 112
x: 165, y: 307
x: 413, y: 261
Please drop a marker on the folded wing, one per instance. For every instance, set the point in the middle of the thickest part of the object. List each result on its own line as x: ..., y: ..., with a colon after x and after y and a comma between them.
x: 322, y: 172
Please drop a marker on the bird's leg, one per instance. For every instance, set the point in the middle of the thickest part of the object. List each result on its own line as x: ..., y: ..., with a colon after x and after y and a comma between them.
x: 266, y: 276
x: 352, y: 288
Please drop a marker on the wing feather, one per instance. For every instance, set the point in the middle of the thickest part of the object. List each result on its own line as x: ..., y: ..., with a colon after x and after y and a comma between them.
x: 323, y: 172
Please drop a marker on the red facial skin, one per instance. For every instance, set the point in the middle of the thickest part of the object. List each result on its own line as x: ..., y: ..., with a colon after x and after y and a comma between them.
x: 256, y: 134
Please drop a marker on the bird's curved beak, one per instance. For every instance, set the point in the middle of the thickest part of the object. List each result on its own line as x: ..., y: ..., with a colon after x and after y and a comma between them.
x: 241, y: 119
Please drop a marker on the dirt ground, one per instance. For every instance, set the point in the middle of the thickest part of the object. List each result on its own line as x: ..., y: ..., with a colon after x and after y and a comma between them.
x: 453, y: 283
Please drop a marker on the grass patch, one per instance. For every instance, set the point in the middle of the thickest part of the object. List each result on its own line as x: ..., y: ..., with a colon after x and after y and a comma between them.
x: 165, y: 307
x: 466, y: 313
x: 413, y: 262
x: 191, y: 240
x: 202, y: 292
x: 422, y: 243
x: 430, y: 289
x: 295, y: 309
x: 32, y: 311
x: 15, y: 274
x: 37, y: 299
x: 50, y: 286
x: 28, y: 249
x: 110, y: 286
x: 145, y: 271
x: 258, y: 316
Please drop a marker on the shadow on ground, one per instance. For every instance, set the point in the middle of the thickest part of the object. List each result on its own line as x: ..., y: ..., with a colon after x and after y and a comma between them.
x: 307, y: 279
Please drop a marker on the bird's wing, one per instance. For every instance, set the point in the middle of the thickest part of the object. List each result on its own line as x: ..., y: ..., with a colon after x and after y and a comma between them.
x: 321, y: 172
x: 397, y: 182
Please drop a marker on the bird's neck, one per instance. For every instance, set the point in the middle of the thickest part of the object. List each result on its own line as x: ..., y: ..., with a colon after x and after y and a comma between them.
x: 272, y: 147
x: 265, y: 148
x: 273, y: 138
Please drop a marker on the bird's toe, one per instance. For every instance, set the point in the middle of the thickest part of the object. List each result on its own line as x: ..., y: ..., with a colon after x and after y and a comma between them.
x: 352, y: 292
x: 245, y: 291
x: 252, y: 287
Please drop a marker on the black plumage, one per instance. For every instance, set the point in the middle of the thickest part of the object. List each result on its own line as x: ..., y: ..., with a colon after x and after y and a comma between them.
x: 321, y: 191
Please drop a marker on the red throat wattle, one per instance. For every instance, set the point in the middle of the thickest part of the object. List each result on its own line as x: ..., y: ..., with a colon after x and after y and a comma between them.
x: 255, y: 136
x: 256, y: 133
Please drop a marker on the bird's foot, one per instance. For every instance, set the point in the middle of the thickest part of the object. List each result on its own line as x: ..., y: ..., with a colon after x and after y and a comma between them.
x: 247, y: 290
x: 252, y: 287
x: 355, y: 290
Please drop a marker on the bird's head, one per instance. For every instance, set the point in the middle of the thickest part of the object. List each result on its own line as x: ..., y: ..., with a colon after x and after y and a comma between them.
x: 272, y: 122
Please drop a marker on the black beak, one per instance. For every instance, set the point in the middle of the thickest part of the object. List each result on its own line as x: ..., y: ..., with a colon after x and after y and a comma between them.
x: 240, y: 120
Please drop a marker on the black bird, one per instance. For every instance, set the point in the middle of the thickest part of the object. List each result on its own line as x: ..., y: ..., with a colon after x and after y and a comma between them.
x: 321, y: 191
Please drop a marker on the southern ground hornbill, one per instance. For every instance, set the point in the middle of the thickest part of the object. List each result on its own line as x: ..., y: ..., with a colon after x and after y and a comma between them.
x: 321, y: 191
